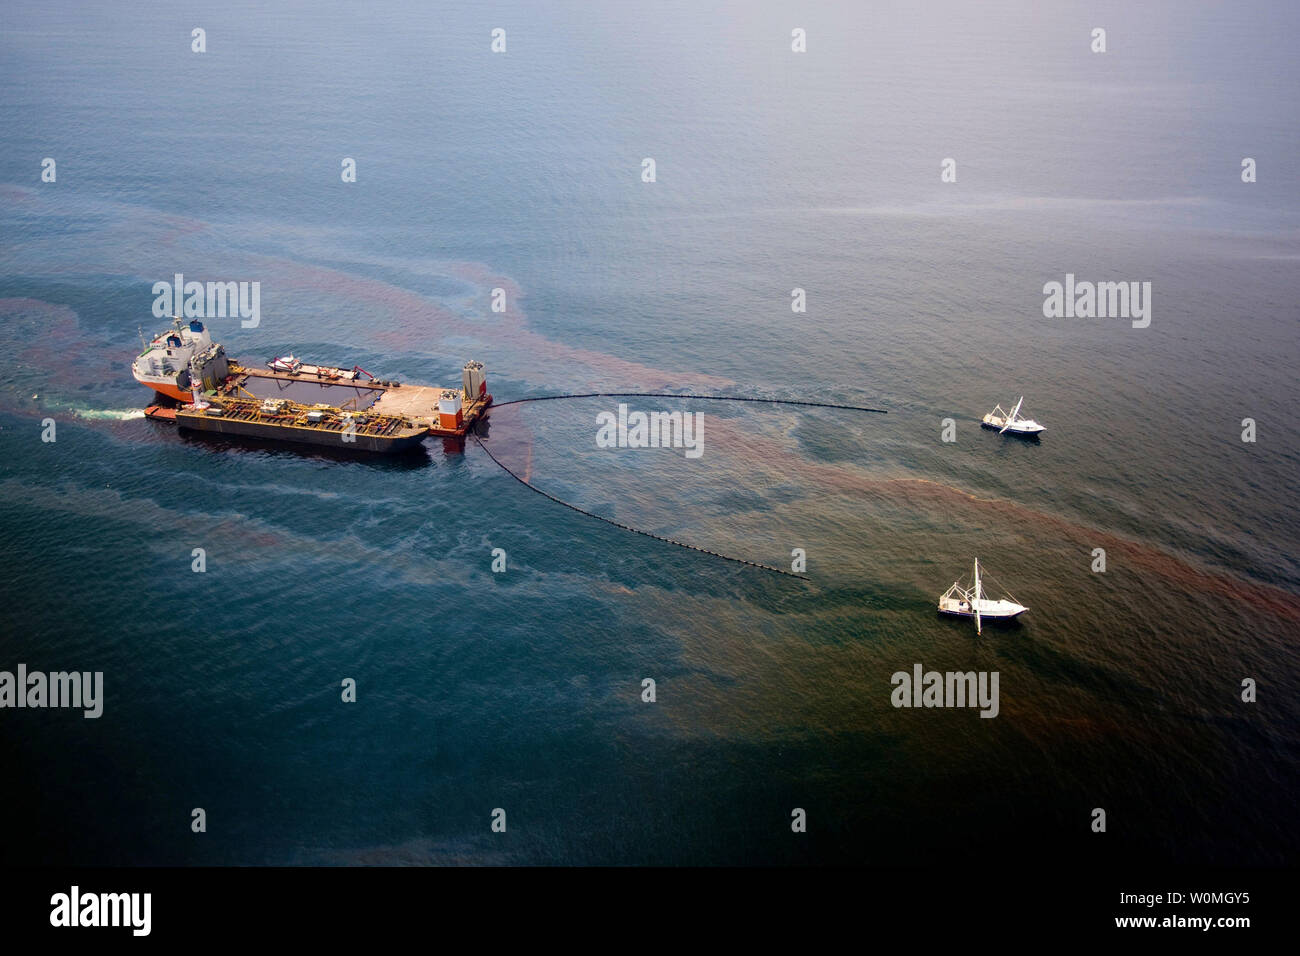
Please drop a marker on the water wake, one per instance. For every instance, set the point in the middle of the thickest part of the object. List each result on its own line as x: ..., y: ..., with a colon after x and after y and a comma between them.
x: 109, y: 414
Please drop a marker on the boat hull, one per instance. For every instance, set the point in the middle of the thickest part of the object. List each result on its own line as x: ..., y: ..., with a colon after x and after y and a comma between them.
x: 319, y: 406
x: 1031, y: 432
x: 216, y: 425
x: 166, y: 389
x: 989, y: 610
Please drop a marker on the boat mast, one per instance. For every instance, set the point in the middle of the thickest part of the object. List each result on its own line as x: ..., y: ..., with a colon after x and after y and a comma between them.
x: 974, y: 600
x: 1012, y: 416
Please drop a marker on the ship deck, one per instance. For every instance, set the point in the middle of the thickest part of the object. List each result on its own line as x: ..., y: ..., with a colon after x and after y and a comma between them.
x: 417, y: 404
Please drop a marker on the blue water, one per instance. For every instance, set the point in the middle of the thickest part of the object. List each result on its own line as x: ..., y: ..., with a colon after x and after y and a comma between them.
x: 522, y: 690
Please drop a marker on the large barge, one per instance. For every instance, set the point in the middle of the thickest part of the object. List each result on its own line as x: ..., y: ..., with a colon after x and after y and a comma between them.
x: 201, y: 389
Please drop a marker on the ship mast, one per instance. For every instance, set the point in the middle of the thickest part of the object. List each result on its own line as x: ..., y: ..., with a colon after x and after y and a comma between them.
x: 1011, y: 418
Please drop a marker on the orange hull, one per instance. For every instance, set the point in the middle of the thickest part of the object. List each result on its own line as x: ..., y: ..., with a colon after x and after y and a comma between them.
x: 170, y: 391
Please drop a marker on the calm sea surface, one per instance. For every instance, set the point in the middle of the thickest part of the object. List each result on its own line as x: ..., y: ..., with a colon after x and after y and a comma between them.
x: 522, y: 171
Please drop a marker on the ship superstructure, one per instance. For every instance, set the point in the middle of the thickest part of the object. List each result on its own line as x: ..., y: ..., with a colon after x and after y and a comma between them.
x: 180, y: 358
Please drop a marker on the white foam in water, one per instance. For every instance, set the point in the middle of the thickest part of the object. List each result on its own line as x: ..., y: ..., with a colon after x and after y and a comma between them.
x: 109, y: 414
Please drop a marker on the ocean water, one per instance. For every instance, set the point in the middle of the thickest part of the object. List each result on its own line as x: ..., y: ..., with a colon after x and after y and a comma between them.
x: 774, y: 170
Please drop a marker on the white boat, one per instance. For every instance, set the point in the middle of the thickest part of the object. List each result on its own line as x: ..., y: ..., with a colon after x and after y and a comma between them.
x: 972, y: 602
x: 1011, y: 421
x: 285, y: 363
x: 295, y: 366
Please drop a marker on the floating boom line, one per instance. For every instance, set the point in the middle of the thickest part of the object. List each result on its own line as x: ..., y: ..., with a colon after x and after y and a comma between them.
x: 702, y: 398
x: 650, y: 534
x: 627, y: 527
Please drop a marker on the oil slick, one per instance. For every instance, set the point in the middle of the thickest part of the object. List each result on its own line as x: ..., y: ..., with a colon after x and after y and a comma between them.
x: 651, y: 430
